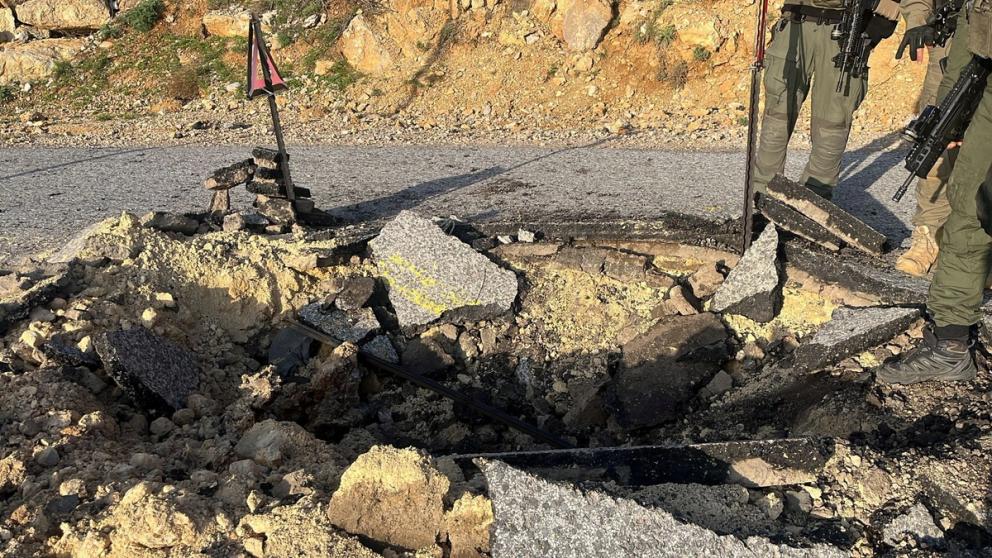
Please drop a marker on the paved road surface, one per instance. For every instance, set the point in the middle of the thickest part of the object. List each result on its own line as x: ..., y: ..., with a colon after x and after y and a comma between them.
x: 46, y: 194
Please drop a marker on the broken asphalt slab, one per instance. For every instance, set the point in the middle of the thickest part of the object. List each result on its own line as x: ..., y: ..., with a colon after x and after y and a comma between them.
x: 885, y: 284
x: 839, y: 222
x: 851, y: 331
x: 351, y: 326
x: 754, y: 288
x: 17, y: 305
x: 755, y: 464
x: 152, y: 370
x: 537, y: 518
x: 798, y: 224
x: 429, y: 273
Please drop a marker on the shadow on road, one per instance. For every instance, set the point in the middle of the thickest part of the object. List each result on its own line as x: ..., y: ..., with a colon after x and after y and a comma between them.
x: 854, y: 184
x: 77, y: 162
x: 385, y: 207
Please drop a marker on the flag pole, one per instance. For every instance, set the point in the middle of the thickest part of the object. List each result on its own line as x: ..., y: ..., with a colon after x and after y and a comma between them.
x: 752, y: 122
x: 263, y: 59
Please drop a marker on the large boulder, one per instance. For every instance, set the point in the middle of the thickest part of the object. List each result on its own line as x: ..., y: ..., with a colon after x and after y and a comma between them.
x: 399, y: 40
x: 64, y: 15
x: 231, y: 22
x: 363, y: 49
x: 35, y: 60
x: 393, y: 496
x: 584, y: 22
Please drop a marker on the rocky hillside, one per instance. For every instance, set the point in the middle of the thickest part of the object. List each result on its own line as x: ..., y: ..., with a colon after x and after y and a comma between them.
x: 678, y: 67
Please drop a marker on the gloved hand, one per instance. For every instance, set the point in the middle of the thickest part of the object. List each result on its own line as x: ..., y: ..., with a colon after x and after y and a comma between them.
x: 879, y: 29
x: 915, y: 40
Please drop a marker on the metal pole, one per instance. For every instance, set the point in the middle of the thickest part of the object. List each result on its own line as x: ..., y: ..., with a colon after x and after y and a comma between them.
x: 263, y: 56
x: 752, y: 123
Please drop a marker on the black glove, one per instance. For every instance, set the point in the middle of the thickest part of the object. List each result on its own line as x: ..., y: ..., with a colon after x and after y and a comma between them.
x: 915, y: 39
x: 879, y: 29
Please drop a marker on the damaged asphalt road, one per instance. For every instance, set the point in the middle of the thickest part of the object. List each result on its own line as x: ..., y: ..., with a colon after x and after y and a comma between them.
x: 47, y: 194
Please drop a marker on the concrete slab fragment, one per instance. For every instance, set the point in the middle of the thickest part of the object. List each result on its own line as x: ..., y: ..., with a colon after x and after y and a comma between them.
x: 851, y: 331
x: 429, y: 273
x: 753, y: 288
x: 537, y: 518
x: 839, y: 222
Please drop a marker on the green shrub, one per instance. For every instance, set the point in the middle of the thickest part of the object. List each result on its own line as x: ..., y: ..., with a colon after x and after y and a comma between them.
x: 701, y: 54
x: 144, y: 16
x: 340, y: 76
x: 7, y: 93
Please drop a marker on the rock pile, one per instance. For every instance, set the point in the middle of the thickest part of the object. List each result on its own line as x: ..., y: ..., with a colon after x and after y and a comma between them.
x: 263, y: 176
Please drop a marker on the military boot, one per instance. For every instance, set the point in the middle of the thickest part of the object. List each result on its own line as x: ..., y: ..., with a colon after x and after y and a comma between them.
x: 940, y: 360
x: 921, y: 254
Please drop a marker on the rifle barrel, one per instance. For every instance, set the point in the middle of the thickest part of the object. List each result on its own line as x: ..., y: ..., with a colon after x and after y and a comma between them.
x: 897, y: 197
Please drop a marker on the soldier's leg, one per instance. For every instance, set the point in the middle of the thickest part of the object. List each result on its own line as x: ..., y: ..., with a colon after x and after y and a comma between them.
x: 962, y: 268
x: 786, y: 86
x: 832, y: 115
x: 963, y: 265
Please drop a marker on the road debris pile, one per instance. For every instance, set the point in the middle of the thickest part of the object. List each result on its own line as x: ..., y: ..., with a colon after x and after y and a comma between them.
x: 176, y: 388
x: 263, y: 176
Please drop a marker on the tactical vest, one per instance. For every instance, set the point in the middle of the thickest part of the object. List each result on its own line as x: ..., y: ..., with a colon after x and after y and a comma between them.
x: 980, y: 28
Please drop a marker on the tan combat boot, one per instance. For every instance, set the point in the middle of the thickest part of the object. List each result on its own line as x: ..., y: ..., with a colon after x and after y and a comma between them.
x: 921, y: 254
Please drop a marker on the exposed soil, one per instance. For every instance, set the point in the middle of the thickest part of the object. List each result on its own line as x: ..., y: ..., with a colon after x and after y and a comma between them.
x: 301, y: 462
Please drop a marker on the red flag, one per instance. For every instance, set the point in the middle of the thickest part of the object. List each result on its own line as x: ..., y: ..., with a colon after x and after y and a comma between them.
x: 262, y: 78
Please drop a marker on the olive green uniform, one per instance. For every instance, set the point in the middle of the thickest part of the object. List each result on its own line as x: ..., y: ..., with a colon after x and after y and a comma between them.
x: 932, y: 207
x: 800, y: 63
x: 963, y: 265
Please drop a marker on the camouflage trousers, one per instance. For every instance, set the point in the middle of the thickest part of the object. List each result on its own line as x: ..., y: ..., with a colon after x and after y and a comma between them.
x: 799, y: 65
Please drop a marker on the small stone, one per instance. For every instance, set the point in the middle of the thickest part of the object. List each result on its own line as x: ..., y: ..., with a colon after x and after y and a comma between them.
x: 721, y: 383
x: 277, y: 211
x: 149, y: 317
x: 355, y: 293
x: 915, y: 524
x: 426, y: 356
x: 799, y: 502
x: 705, y: 281
x: 161, y: 426
x: 771, y: 505
x: 234, y: 222
x: 164, y: 300
x: 182, y: 417
x: 523, y: 235
x: 48, y: 457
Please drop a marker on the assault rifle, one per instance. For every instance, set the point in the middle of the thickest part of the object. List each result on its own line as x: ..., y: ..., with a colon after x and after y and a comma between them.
x: 938, y: 126
x: 855, y: 45
x: 945, y: 21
